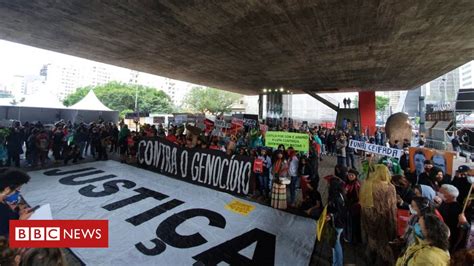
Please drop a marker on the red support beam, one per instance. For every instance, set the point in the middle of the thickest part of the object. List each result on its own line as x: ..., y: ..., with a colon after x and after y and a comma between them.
x: 367, y: 111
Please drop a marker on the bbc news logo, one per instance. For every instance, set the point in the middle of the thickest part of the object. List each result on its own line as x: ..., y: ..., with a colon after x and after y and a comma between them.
x: 59, y: 233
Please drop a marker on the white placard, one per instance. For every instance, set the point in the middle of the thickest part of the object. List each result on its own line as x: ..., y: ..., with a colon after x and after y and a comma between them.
x: 377, y: 149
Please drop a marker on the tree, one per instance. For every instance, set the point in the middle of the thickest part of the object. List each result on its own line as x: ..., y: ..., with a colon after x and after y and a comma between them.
x: 121, y: 97
x: 381, y: 102
x: 210, y: 100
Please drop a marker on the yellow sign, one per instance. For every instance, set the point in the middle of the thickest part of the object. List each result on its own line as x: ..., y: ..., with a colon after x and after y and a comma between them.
x: 240, y: 207
x: 299, y: 141
x: 320, y: 223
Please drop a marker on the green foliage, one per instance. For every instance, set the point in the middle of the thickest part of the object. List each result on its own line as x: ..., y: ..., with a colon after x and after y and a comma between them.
x: 121, y: 97
x: 210, y: 100
x: 381, y: 102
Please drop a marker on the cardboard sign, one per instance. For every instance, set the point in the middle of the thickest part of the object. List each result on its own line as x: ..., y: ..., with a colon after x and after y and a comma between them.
x: 258, y: 166
x: 238, y: 121
x: 441, y: 159
x: 240, y: 207
x: 299, y: 141
x: 220, y: 124
x: 377, y: 149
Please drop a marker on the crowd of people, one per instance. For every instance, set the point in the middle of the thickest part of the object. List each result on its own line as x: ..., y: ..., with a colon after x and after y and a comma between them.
x: 366, y: 194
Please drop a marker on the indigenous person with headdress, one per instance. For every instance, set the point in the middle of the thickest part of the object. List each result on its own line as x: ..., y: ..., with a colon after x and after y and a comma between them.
x: 378, y: 202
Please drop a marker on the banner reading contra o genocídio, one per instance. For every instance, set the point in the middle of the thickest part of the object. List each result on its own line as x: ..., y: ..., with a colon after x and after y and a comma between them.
x: 209, y: 168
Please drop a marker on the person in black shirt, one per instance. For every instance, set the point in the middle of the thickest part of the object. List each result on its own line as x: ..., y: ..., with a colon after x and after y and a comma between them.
x: 461, y: 183
x: 11, y: 180
x: 438, y: 178
x: 424, y: 178
x: 405, y: 193
x: 337, y: 210
x: 405, y: 161
x: 450, y: 210
x: 15, y: 141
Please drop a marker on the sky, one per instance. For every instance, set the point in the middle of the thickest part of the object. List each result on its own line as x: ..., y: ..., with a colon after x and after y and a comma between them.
x: 19, y: 59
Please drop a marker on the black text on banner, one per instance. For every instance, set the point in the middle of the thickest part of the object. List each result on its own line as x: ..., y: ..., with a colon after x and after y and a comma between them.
x: 208, y: 168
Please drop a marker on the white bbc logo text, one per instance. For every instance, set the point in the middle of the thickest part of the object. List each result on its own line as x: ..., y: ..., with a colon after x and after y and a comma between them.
x: 37, y: 233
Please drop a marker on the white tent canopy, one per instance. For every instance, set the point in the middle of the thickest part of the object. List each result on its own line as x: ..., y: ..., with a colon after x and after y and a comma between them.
x: 90, y: 102
x: 42, y: 99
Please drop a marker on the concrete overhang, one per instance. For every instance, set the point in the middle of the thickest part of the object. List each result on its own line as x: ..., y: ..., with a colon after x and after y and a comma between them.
x: 247, y: 45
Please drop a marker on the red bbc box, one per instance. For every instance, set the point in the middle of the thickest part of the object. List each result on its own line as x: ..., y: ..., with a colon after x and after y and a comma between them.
x: 59, y: 233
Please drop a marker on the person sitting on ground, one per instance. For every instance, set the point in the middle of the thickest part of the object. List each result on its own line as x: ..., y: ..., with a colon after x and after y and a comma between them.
x: 431, y: 244
x: 11, y: 181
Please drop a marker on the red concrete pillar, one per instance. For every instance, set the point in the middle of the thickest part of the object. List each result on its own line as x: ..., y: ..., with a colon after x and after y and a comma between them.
x: 367, y: 111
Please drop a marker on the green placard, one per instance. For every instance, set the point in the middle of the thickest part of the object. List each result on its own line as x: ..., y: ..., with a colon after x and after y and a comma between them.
x: 299, y: 141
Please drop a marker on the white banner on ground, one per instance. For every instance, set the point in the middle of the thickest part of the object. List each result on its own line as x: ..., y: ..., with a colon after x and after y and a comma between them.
x: 156, y: 220
x: 377, y: 149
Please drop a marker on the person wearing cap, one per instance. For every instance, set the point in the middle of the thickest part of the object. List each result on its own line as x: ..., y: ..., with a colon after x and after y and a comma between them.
x: 424, y: 177
x: 461, y: 182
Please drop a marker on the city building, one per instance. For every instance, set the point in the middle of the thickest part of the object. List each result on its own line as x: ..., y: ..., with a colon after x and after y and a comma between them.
x: 466, y: 75
x: 442, y: 89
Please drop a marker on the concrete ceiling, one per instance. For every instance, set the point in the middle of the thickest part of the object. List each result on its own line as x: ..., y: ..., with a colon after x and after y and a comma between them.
x: 246, y: 45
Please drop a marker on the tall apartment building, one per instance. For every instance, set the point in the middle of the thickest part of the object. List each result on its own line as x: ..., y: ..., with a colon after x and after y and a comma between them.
x: 443, y: 88
x: 466, y: 75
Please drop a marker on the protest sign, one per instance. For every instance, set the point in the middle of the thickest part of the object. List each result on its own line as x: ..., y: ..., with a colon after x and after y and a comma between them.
x: 377, y: 149
x: 209, y: 168
x: 238, y: 121
x: 442, y: 159
x: 157, y: 220
x: 299, y: 141
x: 220, y: 124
